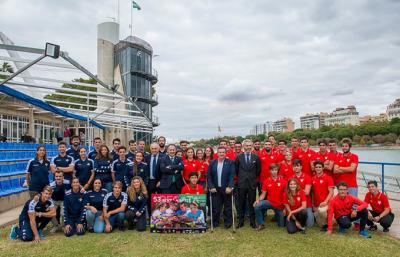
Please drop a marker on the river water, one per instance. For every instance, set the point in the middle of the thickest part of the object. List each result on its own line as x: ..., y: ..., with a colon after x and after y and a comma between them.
x: 376, y: 155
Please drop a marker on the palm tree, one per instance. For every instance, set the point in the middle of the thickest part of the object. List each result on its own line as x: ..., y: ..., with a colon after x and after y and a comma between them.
x: 6, y: 67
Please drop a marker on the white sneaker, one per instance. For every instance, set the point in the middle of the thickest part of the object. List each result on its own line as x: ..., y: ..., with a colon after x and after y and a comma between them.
x: 56, y: 228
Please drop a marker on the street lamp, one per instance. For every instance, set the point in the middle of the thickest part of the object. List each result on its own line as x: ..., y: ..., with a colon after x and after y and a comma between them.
x: 52, y: 50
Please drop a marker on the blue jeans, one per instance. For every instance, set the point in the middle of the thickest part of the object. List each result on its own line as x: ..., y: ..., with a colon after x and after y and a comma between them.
x: 118, y: 218
x: 310, y: 217
x: 94, y: 221
x: 108, y: 186
x: 354, y: 192
x: 262, y: 207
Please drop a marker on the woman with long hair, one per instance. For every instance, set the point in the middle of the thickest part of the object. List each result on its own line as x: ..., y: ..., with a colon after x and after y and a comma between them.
x: 137, y: 203
x: 190, y: 164
x: 37, y: 172
x: 139, y: 168
x: 102, y: 167
x: 295, y: 203
x: 202, y: 167
x: 94, y: 207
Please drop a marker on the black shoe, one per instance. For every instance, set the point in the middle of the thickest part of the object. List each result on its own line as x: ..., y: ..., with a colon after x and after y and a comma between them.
x: 121, y: 228
x: 228, y: 226
x: 385, y: 230
x: 373, y: 228
x: 302, y: 230
x: 253, y: 225
x: 239, y: 225
x: 91, y: 230
x: 216, y: 225
x: 324, y: 228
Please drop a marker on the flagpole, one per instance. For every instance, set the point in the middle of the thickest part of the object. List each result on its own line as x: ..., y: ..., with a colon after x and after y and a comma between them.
x: 131, y: 20
x: 118, y: 11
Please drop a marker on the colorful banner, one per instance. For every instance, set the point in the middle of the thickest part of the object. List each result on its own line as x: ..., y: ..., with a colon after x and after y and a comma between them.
x: 173, y: 213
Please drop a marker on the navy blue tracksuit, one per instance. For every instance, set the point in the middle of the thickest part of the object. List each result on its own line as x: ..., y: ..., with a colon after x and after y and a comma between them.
x: 38, y: 174
x: 63, y: 162
x: 139, y: 204
x: 83, y: 170
x: 141, y: 170
x: 120, y: 168
x: 24, y: 231
x: 74, y: 211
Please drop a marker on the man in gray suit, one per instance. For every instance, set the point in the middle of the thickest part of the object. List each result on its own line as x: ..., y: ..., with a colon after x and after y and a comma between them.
x: 248, y: 167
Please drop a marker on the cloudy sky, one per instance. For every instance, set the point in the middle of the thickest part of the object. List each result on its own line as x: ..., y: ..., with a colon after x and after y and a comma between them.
x: 237, y: 63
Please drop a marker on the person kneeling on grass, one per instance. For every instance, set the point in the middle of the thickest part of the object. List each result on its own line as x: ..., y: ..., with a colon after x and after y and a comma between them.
x: 137, y: 204
x: 341, y: 207
x: 35, y: 216
x: 192, y: 187
x: 114, y: 206
x: 381, y: 212
x: 271, y: 198
x: 74, y: 210
x: 295, y: 202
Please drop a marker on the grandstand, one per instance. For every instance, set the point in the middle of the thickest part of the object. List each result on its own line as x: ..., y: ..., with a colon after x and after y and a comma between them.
x: 14, y: 158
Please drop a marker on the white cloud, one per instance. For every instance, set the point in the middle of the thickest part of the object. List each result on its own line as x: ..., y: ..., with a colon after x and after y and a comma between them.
x: 237, y: 63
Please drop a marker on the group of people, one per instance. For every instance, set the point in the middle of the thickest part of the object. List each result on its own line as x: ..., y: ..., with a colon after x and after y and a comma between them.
x: 104, y: 190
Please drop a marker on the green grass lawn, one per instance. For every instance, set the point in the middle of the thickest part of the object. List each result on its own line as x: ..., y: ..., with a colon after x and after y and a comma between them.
x: 272, y: 241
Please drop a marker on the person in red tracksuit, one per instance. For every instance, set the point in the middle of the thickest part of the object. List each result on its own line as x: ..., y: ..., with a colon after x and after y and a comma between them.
x: 306, y: 155
x: 324, y: 156
x: 305, y: 184
x: 257, y: 147
x: 295, y: 203
x: 322, y: 192
x: 294, y: 141
x: 193, y: 188
x: 286, y: 166
x: 334, y: 155
x: 281, y: 150
x: 202, y: 167
x: 381, y: 212
x: 190, y: 164
x: 341, y: 207
x: 267, y: 158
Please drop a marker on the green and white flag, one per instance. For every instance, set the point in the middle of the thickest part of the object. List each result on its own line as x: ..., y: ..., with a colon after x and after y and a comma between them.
x: 135, y: 6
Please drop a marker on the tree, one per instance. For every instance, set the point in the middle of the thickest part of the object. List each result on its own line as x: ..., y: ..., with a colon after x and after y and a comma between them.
x: 379, y: 139
x: 6, y: 67
x: 391, y: 138
x: 72, y: 98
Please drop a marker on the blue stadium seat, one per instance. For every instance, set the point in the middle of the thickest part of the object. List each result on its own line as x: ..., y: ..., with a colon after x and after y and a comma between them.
x: 5, y: 188
x: 15, y: 186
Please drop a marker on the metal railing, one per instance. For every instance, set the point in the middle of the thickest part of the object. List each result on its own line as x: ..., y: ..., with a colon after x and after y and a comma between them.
x: 382, y: 175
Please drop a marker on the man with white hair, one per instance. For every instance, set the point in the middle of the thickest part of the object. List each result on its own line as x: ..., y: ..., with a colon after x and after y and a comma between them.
x: 153, y: 161
x: 248, y: 167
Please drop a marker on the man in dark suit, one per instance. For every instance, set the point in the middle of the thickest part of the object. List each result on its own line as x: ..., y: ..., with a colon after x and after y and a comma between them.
x: 220, y: 183
x: 153, y: 162
x: 248, y: 167
x: 171, y: 168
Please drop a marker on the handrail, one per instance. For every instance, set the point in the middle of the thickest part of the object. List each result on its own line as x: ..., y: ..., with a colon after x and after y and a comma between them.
x: 380, y: 163
x: 383, y: 164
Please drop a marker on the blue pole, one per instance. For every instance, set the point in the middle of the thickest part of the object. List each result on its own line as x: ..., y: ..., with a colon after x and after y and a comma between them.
x: 383, y: 177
